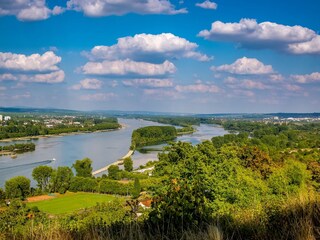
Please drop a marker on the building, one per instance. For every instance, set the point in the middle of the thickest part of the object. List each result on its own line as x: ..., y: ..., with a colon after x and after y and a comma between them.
x: 1, y: 118
x: 7, y: 118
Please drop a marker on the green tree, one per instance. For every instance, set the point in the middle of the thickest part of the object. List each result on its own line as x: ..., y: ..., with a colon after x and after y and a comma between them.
x: 17, y: 187
x: 61, y: 179
x: 113, y: 172
x: 136, y: 188
x: 83, y: 167
x: 42, y: 175
x: 128, y: 164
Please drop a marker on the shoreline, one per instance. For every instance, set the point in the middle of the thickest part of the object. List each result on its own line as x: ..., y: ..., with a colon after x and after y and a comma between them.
x: 28, y: 138
x: 118, y: 162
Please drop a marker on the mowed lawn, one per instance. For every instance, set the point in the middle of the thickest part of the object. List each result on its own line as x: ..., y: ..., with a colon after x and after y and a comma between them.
x: 70, y: 202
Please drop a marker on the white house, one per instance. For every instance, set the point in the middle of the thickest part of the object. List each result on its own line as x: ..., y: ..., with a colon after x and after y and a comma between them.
x: 1, y: 118
x: 7, y: 118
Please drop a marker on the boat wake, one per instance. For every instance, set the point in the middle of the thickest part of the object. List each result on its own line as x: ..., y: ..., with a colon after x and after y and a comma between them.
x: 34, y: 164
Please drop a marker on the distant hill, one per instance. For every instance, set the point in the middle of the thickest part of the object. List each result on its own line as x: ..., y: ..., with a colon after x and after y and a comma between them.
x: 120, y: 113
x: 35, y: 110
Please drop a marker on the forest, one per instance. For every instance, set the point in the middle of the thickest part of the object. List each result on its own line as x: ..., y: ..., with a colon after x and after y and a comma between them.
x: 261, y: 181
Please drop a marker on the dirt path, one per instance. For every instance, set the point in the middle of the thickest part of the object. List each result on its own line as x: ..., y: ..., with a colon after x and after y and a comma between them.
x: 39, y: 198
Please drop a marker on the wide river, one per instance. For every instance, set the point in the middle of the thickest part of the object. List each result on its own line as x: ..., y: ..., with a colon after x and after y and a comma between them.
x: 102, y: 148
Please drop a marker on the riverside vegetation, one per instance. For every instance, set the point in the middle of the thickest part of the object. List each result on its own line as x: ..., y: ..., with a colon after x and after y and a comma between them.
x: 17, y: 148
x: 26, y: 127
x: 262, y: 182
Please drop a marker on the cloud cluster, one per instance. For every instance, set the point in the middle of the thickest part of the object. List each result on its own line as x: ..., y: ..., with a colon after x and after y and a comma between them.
x: 207, y: 5
x: 148, y: 47
x: 33, y: 68
x: 28, y: 10
x: 198, y: 88
x: 307, y: 78
x: 89, y: 84
x: 35, y: 62
x: 250, y: 34
x: 245, y: 66
x: 35, y: 10
x: 144, y: 60
x: 237, y: 83
x: 99, y: 8
x: 254, y: 81
x: 148, y: 83
x: 176, y: 92
x: 128, y: 68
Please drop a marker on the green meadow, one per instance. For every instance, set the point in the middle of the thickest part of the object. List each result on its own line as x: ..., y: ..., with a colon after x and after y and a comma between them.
x: 70, y: 202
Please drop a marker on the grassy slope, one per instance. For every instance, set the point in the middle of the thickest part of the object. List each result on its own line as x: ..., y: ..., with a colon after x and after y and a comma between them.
x: 71, y: 202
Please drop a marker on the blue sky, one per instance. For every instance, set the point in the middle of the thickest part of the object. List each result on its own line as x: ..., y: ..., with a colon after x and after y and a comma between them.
x: 160, y: 55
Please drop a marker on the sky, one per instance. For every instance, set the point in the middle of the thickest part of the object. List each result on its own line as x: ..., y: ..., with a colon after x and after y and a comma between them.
x: 191, y: 56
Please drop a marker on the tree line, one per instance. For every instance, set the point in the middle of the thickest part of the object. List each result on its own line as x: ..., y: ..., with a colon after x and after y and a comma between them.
x: 18, y: 128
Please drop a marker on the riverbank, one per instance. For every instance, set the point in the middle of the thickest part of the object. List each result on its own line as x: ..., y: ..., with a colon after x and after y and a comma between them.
x: 28, y: 138
x: 118, y: 162
x: 4, y: 153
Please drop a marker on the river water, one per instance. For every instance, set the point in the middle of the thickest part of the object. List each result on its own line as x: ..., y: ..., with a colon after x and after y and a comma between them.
x: 102, y: 148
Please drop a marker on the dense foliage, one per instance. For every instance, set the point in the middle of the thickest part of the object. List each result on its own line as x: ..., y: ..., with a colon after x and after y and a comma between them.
x: 42, y: 175
x: 152, y: 135
x: 17, y: 187
x: 260, y: 183
x: 128, y: 164
x: 83, y: 167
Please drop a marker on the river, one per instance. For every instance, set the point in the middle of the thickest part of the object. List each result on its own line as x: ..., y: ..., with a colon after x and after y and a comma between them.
x: 102, y: 148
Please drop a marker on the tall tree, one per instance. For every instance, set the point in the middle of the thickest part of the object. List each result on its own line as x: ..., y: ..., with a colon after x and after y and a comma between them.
x: 17, y: 187
x: 128, y: 164
x: 136, y: 188
x: 113, y: 172
x: 42, y: 175
x: 61, y: 179
x: 83, y: 167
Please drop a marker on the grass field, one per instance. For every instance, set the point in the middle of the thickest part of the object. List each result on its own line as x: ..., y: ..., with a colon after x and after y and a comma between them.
x: 70, y: 202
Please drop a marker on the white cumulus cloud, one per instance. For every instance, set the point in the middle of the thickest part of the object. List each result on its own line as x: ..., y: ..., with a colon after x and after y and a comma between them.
x: 33, y: 68
x: 149, y: 83
x: 148, y: 47
x: 128, y: 68
x: 99, y: 8
x: 308, y: 47
x: 250, y: 34
x: 28, y: 10
x: 35, y: 62
x: 307, y: 78
x: 207, y: 5
x: 245, y: 66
